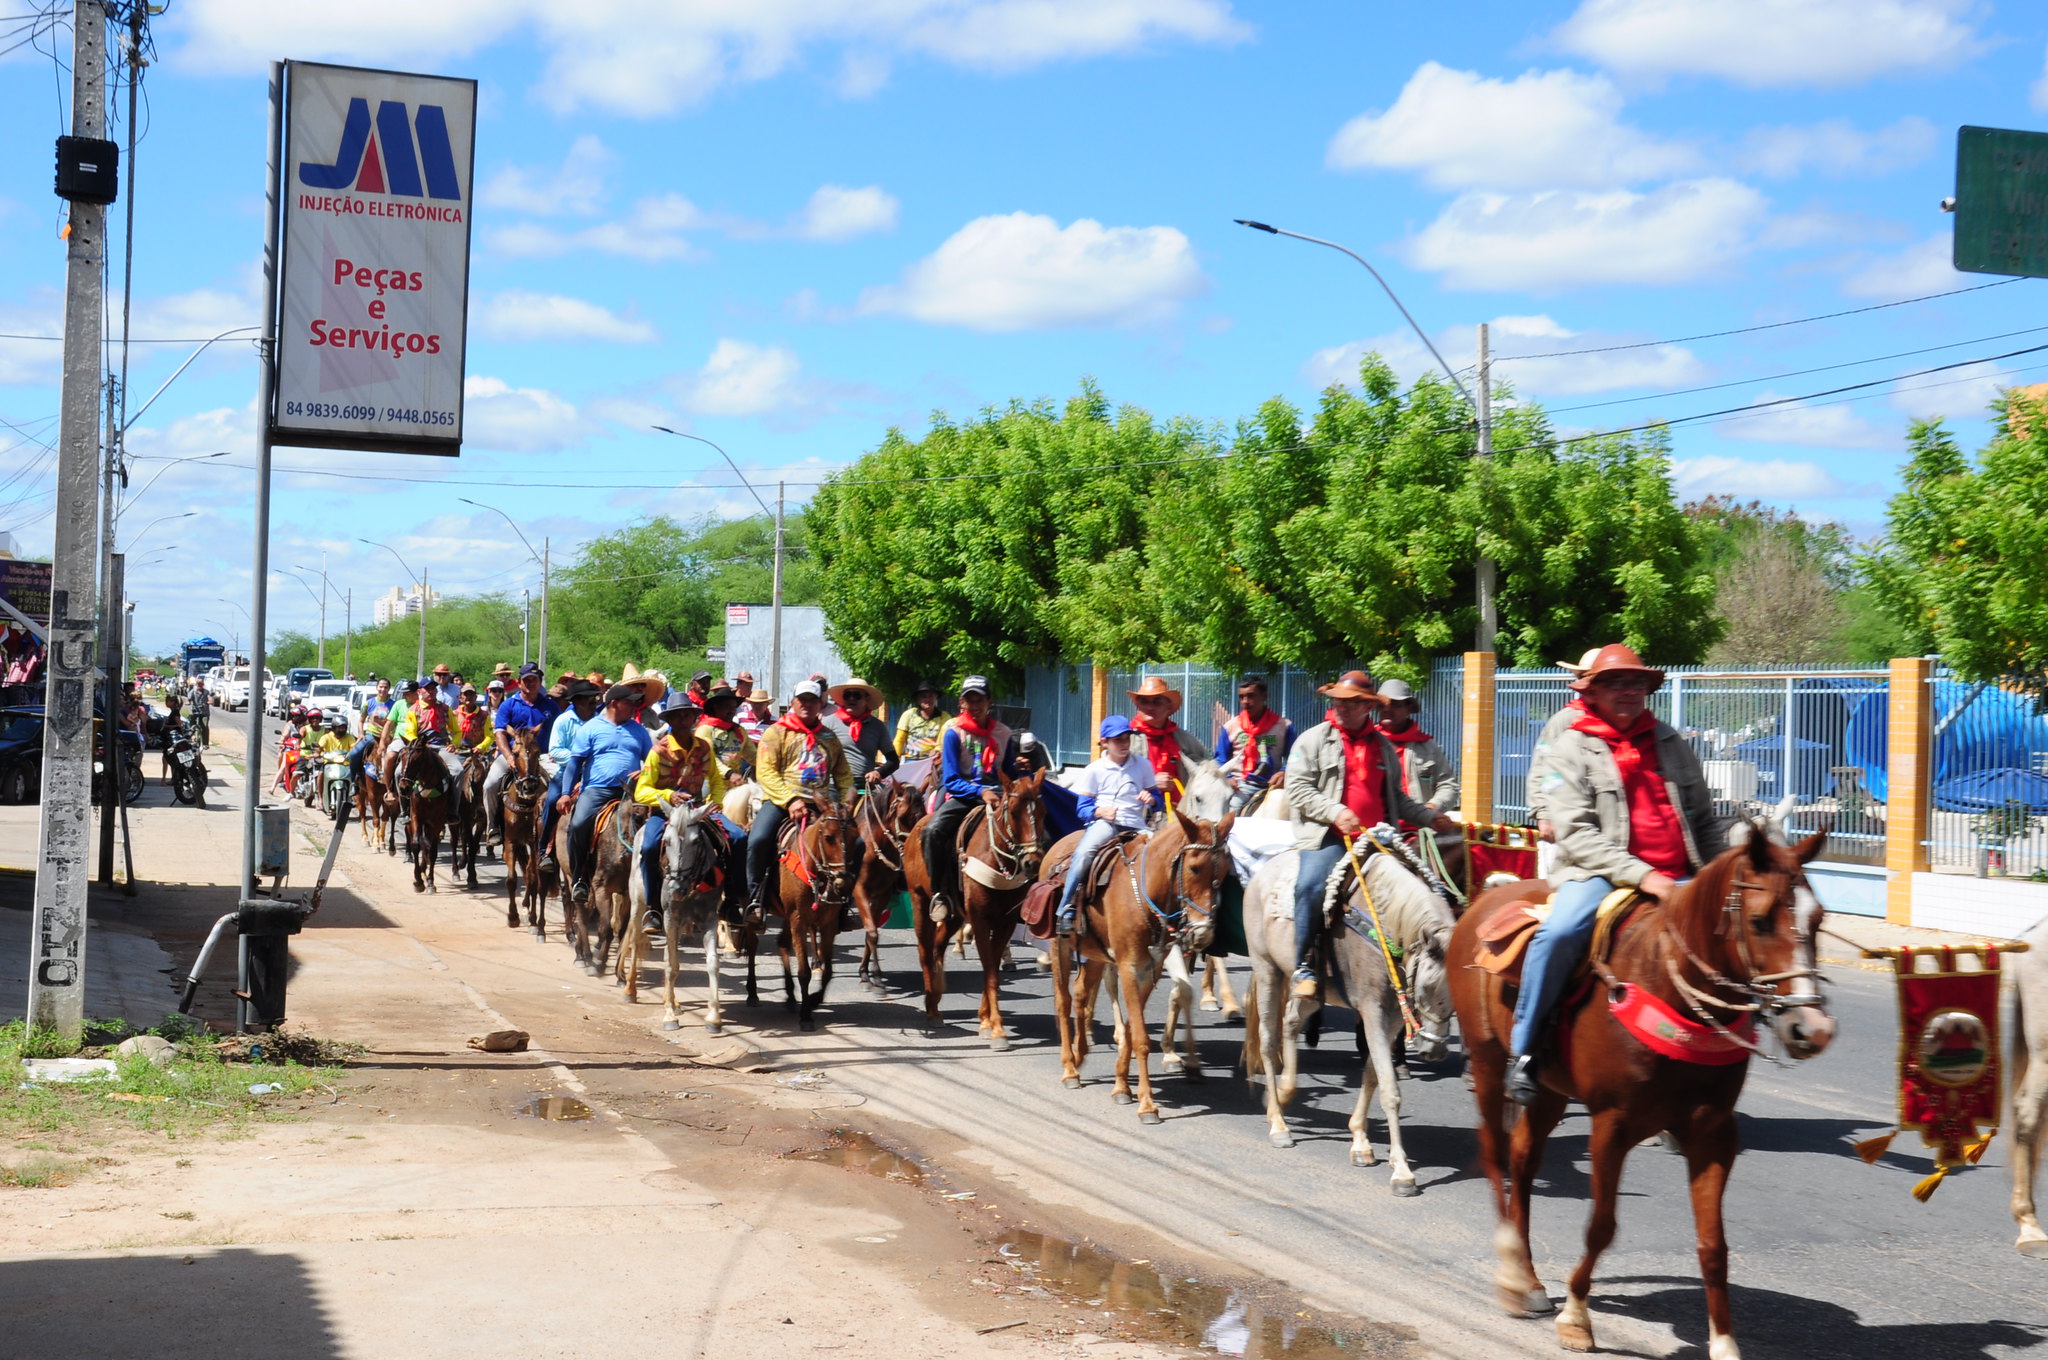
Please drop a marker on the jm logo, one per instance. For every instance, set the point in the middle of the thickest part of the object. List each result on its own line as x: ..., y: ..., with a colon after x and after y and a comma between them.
x: 383, y: 162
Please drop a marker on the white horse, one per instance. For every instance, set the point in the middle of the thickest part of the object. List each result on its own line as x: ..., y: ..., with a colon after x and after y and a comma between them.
x: 690, y: 896
x: 1418, y: 925
x: 2029, y: 974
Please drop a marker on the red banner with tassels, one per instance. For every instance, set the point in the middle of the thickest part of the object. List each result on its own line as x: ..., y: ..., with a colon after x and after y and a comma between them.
x: 1949, y: 1070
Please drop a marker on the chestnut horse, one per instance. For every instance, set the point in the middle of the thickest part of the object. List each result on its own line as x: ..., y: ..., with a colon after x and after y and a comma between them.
x: 810, y: 890
x: 1008, y: 841
x: 377, y: 816
x: 885, y: 820
x: 428, y: 792
x: 520, y: 807
x: 466, y: 824
x: 1156, y: 912
x: 1733, y: 945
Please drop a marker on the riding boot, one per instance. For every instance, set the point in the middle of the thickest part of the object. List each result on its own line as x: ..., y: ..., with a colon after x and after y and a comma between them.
x: 1523, y: 1079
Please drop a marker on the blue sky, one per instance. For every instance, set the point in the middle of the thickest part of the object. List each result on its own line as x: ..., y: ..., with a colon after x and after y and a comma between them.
x: 789, y: 224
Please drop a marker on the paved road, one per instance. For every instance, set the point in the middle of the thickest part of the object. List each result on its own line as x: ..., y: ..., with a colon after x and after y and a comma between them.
x: 1832, y: 1258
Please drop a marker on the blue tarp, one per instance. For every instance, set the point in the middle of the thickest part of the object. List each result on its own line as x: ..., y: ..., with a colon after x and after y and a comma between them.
x: 1986, y: 790
x: 1997, y: 732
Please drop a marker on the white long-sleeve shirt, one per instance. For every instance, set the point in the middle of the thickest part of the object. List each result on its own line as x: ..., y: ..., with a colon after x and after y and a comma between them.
x: 1120, y: 788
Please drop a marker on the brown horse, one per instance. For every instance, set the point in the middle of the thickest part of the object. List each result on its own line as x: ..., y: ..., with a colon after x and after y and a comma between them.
x: 606, y: 914
x: 428, y: 791
x: 466, y: 828
x: 1156, y: 911
x: 520, y: 810
x: 1007, y: 843
x: 810, y: 890
x: 372, y: 808
x: 886, y: 819
x: 1723, y: 950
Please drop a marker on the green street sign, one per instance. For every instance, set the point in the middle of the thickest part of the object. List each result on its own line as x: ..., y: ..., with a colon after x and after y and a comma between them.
x: 2001, y: 202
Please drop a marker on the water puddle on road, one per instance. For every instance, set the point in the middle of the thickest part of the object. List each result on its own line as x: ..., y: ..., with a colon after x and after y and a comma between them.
x: 858, y: 1152
x: 554, y: 1107
x: 1230, y: 1320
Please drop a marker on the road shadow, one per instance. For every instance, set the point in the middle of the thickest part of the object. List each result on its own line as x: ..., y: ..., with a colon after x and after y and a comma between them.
x: 1771, y: 1325
x: 210, y: 1304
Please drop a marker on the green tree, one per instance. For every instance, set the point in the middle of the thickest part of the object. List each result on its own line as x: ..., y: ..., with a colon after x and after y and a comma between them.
x: 1962, y: 567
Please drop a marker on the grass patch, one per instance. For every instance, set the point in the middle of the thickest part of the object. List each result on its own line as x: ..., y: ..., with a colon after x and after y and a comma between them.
x: 41, y: 1171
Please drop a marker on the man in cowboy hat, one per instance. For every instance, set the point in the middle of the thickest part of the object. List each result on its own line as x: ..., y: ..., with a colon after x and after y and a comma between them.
x: 1630, y: 807
x: 1252, y: 748
x: 919, y: 729
x: 1343, y: 777
x: 734, y: 746
x: 869, y: 752
x: 1426, y: 774
x: 681, y: 768
x: 446, y: 687
x: 604, y: 759
x: 975, y: 752
x: 581, y: 707
x: 1157, y: 739
x: 801, y: 762
x: 528, y: 708
x: 756, y: 713
x: 1558, y: 723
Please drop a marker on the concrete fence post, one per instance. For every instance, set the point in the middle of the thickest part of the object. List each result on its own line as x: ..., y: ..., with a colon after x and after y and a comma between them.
x: 1475, y: 761
x: 1909, y: 782
x: 1098, y: 704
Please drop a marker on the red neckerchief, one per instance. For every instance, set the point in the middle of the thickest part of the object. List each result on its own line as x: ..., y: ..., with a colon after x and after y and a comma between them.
x: 722, y: 724
x: 853, y: 724
x: 985, y: 733
x: 1253, y: 729
x: 796, y: 724
x: 1410, y: 735
x: 1162, y: 747
x: 1628, y: 744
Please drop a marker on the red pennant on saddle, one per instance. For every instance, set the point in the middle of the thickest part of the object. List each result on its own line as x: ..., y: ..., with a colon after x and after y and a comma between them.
x: 1652, y: 1022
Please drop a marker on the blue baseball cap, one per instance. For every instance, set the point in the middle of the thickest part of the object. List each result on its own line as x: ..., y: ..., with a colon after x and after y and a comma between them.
x: 1115, y: 725
x: 529, y: 668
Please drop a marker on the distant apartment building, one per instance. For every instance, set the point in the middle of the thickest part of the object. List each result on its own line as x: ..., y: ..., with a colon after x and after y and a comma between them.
x: 403, y: 602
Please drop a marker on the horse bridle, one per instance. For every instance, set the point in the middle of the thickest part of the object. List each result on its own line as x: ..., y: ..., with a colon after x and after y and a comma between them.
x: 1761, y: 989
x: 837, y: 872
x: 1180, y: 922
x: 1008, y: 857
x: 883, y: 835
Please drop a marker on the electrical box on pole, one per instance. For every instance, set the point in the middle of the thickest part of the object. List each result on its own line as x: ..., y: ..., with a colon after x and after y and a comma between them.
x: 88, y: 169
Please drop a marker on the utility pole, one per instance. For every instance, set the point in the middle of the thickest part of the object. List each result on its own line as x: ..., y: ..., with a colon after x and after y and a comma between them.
x: 775, y: 611
x: 110, y: 623
x: 422, y: 671
x: 543, y: 648
x: 321, y: 653
x: 525, y: 625
x: 56, y: 980
x: 1489, y: 614
x: 348, y: 630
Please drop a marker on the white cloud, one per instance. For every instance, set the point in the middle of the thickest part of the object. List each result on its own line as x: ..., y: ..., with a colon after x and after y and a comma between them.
x: 744, y: 379
x: 1963, y: 394
x: 1744, y: 479
x: 1543, y: 129
x: 606, y: 54
x: 576, y: 187
x: 516, y: 315
x: 1771, y: 43
x: 1837, y: 148
x: 2037, y: 93
x: 1922, y: 268
x: 1023, y: 271
x: 1567, y: 238
x: 652, y: 232
x: 497, y: 415
x: 1826, y: 427
x: 33, y: 363
x: 837, y: 213
x: 1511, y: 336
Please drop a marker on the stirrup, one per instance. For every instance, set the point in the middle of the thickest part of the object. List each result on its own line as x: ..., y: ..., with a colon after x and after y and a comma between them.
x: 1523, y: 1082
x: 938, y: 909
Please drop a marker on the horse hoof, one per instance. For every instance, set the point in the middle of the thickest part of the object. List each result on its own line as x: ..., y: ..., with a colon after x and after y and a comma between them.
x: 1209, y: 1004
x: 1233, y: 1015
x: 1123, y: 1098
x: 715, y: 1031
x: 1148, y: 1117
x: 671, y: 1024
x: 998, y: 1043
x: 1364, y: 1158
x: 1280, y: 1140
x: 1574, y: 1336
x: 1405, y: 1189
x: 1537, y: 1301
x: 986, y: 1031
x: 1074, y: 1084
x: 540, y: 936
x: 419, y: 887
x: 2034, y: 1249
x: 1194, y: 1074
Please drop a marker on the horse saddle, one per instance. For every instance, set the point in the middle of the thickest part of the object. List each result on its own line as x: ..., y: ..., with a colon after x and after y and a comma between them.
x: 620, y: 814
x: 1504, y: 938
x: 1099, y: 872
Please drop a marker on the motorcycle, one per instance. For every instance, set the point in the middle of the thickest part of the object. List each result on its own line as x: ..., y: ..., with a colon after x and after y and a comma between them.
x: 305, y: 777
x: 131, y: 770
x: 337, y: 785
x: 188, y: 771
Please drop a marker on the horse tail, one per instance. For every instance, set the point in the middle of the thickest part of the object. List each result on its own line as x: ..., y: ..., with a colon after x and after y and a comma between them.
x: 1254, y: 1041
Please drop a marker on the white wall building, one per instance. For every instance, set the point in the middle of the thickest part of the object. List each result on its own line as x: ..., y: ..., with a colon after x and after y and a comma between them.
x: 402, y: 602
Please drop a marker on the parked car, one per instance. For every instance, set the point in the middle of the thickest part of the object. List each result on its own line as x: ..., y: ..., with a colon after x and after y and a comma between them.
x: 329, y: 695
x: 299, y: 679
x: 234, y: 690
x: 21, y: 755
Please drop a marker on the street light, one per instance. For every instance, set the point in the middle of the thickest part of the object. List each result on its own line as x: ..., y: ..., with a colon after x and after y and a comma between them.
x: 195, y: 458
x: 239, y: 610
x: 421, y: 578
x: 1482, y: 406
x: 321, y: 661
x: 775, y: 605
x: 541, y: 560
x: 153, y: 523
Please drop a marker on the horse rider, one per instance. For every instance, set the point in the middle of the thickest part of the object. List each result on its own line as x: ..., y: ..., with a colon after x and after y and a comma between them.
x: 699, y: 689
x: 1558, y: 723
x: 469, y: 729
x: 428, y: 717
x: 582, y: 703
x: 757, y: 713
x: 1426, y: 774
x: 975, y: 752
x: 733, y: 744
x: 528, y: 708
x: 1252, y: 748
x: 1630, y: 808
x: 1116, y: 794
x: 801, y: 762
x: 919, y: 729
x: 446, y: 686
x: 408, y: 695
x: 869, y: 752
x: 742, y: 684
x: 494, y: 694
x: 374, y: 714
x: 681, y: 768
x: 1158, y: 739
x: 604, y: 760
x: 1343, y: 777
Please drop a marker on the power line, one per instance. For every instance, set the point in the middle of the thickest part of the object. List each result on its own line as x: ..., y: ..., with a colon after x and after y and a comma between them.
x: 1747, y: 330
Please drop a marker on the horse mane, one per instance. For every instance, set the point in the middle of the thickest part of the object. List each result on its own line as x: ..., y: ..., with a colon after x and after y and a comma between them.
x: 1410, y: 917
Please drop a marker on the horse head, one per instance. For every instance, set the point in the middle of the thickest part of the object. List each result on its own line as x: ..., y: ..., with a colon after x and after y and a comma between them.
x: 1017, y: 825
x: 692, y: 852
x: 1751, y: 919
x: 1428, y: 980
x: 524, y: 757
x: 903, y: 810
x: 1196, y: 873
x: 832, y: 841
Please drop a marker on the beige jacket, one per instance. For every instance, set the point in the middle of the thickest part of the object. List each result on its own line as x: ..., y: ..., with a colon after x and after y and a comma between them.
x: 1315, y: 785
x: 1430, y: 777
x: 1576, y: 784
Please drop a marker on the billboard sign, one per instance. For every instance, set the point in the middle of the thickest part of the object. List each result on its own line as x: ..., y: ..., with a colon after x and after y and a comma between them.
x: 26, y: 586
x: 374, y: 283
x: 2001, y: 202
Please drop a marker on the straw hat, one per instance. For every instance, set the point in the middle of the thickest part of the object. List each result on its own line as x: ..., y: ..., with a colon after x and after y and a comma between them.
x: 1617, y: 659
x: 1352, y: 685
x: 1153, y: 687
x: 758, y: 695
x: 651, y: 684
x: 1579, y: 667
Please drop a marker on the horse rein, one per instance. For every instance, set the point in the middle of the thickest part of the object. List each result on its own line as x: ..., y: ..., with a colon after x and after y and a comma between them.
x: 1180, y: 922
x: 836, y: 870
x: 1008, y: 858
x: 883, y: 835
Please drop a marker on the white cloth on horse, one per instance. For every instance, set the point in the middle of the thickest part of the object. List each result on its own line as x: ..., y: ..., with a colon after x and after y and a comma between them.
x: 1254, y: 840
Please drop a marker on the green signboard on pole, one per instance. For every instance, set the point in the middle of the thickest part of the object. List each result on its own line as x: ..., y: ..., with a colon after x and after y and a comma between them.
x: 2001, y: 201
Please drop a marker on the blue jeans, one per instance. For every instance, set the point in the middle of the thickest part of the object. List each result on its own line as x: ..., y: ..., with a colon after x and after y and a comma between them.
x: 582, y: 823
x: 650, y: 850
x: 356, y: 753
x: 557, y: 786
x: 1554, y: 951
x: 761, y: 845
x: 1310, y: 879
x: 1098, y: 834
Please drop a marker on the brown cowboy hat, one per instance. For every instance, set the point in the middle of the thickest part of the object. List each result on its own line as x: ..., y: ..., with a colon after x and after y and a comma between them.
x: 1153, y: 687
x: 759, y: 696
x: 1617, y: 659
x: 1352, y: 685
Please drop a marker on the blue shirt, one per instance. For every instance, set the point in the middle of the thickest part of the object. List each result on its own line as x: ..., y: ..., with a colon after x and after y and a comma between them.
x: 516, y: 712
x: 451, y: 694
x: 607, y: 755
x: 563, y: 735
x: 960, y: 761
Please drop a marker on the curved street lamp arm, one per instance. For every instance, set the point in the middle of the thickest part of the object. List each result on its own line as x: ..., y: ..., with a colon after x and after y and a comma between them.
x: 509, y: 520
x: 195, y: 458
x: 181, y: 368
x: 728, y: 462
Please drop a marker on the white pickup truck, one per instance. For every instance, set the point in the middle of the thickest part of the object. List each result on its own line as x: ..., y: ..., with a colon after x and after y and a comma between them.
x: 234, y: 691
x: 330, y: 696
